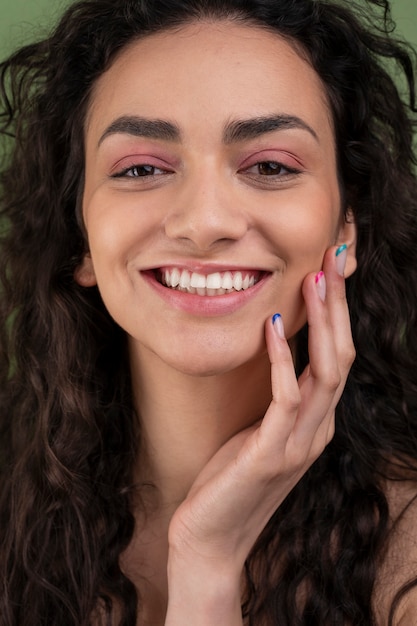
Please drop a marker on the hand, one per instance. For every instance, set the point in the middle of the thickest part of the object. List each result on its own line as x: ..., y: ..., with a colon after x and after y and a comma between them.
x: 232, y: 499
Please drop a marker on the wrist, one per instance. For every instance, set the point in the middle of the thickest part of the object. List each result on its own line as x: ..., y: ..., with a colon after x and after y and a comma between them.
x: 202, y: 591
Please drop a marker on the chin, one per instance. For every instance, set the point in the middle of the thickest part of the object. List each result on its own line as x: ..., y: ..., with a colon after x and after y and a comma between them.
x: 217, y: 362
x: 204, y: 369
x: 196, y: 352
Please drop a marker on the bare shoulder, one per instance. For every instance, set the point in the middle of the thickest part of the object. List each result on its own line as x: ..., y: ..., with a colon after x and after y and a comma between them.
x: 399, y: 563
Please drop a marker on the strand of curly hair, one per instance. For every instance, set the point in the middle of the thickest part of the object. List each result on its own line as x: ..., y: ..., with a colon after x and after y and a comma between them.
x: 69, y: 435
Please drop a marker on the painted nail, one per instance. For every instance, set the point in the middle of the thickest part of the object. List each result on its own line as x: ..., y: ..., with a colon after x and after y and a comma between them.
x: 321, y: 285
x: 278, y: 325
x: 341, y: 256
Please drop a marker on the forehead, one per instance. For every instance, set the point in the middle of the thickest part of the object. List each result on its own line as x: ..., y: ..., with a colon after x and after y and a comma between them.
x: 223, y: 70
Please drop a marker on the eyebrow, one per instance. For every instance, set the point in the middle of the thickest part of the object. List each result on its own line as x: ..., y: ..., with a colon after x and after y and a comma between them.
x: 142, y: 127
x: 234, y: 132
x: 243, y: 130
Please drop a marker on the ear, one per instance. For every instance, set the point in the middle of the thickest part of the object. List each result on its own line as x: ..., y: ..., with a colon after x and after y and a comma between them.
x: 84, y: 274
x: 348, y: 235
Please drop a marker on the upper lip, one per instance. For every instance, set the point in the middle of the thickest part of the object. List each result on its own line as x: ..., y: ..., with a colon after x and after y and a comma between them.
x: 208, y: 268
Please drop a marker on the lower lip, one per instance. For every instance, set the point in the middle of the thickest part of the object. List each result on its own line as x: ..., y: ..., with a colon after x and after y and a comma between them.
x: 208, y: 306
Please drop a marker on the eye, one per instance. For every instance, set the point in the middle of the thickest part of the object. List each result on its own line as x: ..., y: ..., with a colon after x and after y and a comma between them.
x: 271, y: 168
x: 269, y: 174
x: 140, y: 171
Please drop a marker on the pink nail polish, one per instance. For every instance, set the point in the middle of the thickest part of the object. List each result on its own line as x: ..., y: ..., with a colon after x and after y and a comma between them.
x: 321, y: 285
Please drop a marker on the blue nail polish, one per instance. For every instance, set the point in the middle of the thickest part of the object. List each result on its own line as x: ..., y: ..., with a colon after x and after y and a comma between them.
x: 341, y: 257
x: 278, y: 325
x: 341, y: 249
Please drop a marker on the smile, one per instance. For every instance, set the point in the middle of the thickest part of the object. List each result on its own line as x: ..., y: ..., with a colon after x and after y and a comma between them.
x: 215, y: 284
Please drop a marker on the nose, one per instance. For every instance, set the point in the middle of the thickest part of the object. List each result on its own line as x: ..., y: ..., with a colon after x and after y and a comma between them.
x: 206, y: 212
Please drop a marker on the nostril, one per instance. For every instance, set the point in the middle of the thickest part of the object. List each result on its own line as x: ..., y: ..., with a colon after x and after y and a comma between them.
x: 204, y: 227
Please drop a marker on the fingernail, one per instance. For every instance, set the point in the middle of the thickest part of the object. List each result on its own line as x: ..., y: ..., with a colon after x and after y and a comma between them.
x: 321, y: 285
x: 341, y: 256
x: 278, y: 325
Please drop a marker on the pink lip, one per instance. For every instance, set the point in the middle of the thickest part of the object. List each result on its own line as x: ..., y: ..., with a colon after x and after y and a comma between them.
x: 208, y: 306
x: 207, y: 268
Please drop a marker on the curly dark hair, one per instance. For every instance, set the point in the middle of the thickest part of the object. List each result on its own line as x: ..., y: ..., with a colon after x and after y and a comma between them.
x: 68, y: 431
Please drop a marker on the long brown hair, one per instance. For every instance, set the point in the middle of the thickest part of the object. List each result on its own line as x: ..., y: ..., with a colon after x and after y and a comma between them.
x: 68, y: 432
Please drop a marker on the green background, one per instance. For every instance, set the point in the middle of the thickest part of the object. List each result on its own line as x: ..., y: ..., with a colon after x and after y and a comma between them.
x: 22, y: 20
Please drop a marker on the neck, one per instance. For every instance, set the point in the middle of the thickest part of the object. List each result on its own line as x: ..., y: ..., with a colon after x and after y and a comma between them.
x: 185, y: 419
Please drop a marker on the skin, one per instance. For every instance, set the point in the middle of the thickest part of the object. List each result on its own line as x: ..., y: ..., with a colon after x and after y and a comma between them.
x: 228, y: 429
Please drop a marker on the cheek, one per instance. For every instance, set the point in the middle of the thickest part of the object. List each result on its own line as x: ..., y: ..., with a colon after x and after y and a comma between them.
x: 303, y: 226
x: 290, y: 303
x: 300, y: 238
x: 116, y: 228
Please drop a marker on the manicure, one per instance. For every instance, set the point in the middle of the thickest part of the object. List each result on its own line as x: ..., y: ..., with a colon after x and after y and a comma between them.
x: 341, y: 256
x: 278, y: 325
x: 321, y: 285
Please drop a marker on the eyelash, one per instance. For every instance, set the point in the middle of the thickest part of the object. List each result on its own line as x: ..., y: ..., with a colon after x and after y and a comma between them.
x: 279, y: 171
x: 124, y: 173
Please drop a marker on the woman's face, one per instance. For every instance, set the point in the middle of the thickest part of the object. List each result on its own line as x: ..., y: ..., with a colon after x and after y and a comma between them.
x: 211, y: 191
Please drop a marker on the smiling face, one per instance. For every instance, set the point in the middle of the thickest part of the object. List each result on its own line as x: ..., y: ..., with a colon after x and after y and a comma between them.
x: 211, y: 191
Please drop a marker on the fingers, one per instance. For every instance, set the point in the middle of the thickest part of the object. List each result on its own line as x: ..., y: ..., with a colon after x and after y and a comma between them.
x: 331, y: 349
x: 286, y: 395
x: 301, y: 417
x: 333, y: 267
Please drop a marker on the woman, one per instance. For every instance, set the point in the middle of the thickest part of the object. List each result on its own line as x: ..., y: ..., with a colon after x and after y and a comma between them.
x: 184, y: 437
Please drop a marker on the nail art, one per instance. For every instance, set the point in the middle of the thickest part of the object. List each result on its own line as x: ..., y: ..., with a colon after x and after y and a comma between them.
x: 278, y: 325
x: 341, y: 256
x: 321, y: 285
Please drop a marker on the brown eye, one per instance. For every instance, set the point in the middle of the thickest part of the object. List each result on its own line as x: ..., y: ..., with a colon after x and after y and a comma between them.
x: 141, y: 170
x: 269, y: 168
x: 270, y: 174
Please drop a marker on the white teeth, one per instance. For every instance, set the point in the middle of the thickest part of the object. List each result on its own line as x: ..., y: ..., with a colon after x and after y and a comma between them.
x: 185, y: 279
x: 238, y: 281
x: 227, y: 282
x: 215, y: 284
x: 214, y: 281
x: 198, y: 281
x: 175, y: 277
